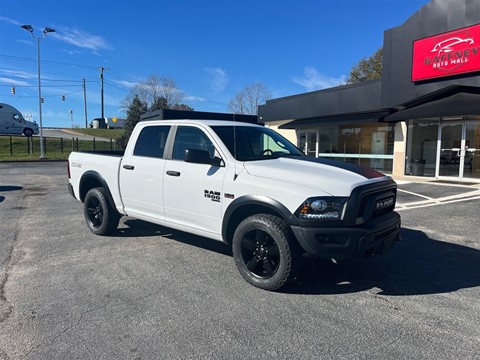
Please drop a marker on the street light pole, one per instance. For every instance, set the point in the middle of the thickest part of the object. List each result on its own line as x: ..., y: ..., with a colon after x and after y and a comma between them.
x: 47, y: 30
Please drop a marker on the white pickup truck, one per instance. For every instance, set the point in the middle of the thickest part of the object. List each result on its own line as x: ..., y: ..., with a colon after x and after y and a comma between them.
x: 242, y: 184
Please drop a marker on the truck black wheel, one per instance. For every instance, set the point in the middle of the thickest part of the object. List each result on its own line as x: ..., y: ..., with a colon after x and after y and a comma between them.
x: 265, y: 252
x: 28, y: 132
x: 101, y: 218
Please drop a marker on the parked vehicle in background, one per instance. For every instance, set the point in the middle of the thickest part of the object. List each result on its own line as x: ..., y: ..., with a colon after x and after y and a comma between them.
x: 245, y: 185
x: 12, y: 122
x: 108, y: 123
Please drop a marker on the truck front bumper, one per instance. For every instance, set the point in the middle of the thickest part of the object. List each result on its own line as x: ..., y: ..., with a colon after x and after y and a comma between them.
x: 353, y: 243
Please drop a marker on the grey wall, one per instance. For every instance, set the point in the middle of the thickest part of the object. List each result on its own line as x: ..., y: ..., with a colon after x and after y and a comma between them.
x: 436, y: 17
x: 338, y: 100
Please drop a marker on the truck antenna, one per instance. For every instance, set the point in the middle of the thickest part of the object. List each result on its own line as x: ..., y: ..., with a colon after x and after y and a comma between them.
x: 235, y: 148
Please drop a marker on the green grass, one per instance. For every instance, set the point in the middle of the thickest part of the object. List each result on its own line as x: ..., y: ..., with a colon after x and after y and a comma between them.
x: 20, y: 148
x: 101, y: 133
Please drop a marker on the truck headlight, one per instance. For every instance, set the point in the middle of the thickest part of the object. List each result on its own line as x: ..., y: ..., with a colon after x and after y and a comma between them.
x: 322, y: 208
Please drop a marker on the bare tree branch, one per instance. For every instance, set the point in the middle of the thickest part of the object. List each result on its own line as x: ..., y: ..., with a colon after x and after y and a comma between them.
x: 248, y: 100
x: 155, y: 90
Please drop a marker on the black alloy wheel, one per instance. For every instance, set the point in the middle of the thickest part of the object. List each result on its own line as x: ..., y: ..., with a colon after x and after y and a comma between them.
x: 101, y: 218
x: 94, y: 212
x: 265, y: 252
x: 260, y: 253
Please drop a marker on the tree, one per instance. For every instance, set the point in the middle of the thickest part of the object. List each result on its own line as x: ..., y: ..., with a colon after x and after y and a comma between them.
x: 367, y: 69
x: 153, y: 94
x: 135, y: 110
x: 247, y: 100
x: 183, y: 107
x: 157, y: 92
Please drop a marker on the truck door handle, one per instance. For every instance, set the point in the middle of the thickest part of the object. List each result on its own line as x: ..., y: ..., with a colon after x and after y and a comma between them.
x: 173, y: 173
x: 128, y: 167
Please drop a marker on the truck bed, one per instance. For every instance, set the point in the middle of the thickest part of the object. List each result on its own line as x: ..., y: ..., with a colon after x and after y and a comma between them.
x: 117, y: 153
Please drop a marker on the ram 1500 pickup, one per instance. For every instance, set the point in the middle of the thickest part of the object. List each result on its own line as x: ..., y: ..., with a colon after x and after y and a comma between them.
x: 242, y: 184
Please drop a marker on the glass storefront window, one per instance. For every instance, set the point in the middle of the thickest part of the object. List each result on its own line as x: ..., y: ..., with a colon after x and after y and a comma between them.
x: 421, y: 147
x: 443, y: 148
x: 369, y: 144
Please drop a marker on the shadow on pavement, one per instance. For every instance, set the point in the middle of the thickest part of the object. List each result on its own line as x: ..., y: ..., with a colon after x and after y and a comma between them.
x: 416, y: 265
x: 139, y: 228
x: 10, y: 188
x: 5, y: 188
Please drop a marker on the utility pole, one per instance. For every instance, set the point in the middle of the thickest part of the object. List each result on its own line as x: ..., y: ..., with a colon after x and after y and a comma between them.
x: 85, y: 103
x: 102, y: 69
x: 47, y: 30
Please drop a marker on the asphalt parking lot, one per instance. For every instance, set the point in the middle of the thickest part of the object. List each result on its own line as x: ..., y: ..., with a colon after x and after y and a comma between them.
x: 152, y: 293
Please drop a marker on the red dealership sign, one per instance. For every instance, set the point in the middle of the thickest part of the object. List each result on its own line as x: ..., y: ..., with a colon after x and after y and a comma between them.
x: 452, y: 53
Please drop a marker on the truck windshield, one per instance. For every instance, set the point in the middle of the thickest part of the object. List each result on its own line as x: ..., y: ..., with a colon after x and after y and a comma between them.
x: 250, y: 143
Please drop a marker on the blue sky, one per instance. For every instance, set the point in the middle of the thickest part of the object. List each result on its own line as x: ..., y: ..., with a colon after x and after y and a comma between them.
x: 211, y: 48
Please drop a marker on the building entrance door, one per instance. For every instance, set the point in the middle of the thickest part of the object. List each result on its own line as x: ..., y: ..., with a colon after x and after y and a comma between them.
x: 307, y: 142
x: 459, y: 153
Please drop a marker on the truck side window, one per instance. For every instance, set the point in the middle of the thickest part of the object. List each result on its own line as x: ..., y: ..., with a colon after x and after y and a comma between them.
x: 189, y: 137
x: 151, y: 141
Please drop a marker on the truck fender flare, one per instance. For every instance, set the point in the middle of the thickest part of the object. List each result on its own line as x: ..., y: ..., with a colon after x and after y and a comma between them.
x: 247, y: 205
x: 95, y: 178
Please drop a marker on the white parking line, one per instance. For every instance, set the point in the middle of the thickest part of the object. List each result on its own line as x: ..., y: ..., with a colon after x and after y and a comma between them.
x: 472, y: 195
x: 419, y: 195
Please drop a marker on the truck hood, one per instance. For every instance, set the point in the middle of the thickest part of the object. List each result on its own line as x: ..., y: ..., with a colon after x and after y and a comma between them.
x: 329, y: 176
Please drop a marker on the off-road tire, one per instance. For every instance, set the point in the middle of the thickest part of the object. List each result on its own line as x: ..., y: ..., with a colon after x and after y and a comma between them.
x: 265, y: 252
x: 101, y: 218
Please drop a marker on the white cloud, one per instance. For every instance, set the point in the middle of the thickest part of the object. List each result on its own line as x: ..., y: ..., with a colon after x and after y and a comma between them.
x: 195, y: 98
x: 72, y: 52
x: 26, y: 42
x: 13, y: 82
x: 312, y: 80
x: 127, y: 84
x: 73, y: 36
x: 80, y: 38
x: 18, y: 73
x: 10, y: 21
x: 218, y: 79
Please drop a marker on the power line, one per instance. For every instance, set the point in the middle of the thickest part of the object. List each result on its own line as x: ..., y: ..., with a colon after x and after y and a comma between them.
x: 47, y: 61
x: 45, y: 96
x: 50, y: 86
x: 116, y: 87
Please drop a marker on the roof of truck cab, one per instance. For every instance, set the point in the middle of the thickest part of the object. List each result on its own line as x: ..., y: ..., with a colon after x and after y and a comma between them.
x: 200, y: 122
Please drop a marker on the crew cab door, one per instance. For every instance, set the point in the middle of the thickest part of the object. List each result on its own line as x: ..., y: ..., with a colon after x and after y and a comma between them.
x: 141, y: 174
x: 193, y: 191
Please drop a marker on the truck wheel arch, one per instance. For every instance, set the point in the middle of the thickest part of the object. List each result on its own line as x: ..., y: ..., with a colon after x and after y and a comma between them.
x: 248, y: 205
x: 90, y: 180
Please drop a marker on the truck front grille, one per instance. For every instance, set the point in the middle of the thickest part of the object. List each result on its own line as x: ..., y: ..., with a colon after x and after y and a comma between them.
x: 371, y: 201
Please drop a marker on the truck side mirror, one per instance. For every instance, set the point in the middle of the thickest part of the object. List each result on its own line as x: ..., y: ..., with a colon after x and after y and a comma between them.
x: 197, y: 156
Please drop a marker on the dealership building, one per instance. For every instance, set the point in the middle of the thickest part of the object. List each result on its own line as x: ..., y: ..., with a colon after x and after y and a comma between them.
x: 422, y: 118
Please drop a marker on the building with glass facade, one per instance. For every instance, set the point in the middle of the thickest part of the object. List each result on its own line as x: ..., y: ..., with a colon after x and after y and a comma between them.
x: 422, y: 118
